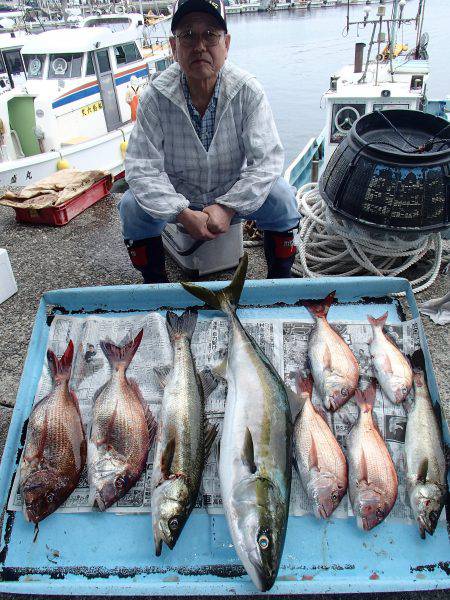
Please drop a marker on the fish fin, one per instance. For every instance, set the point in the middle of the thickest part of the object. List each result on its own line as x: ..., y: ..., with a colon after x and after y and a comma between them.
x: 363, y: 470
x: 121, y: 354
x: 211, y: 431
x: 220, y: 369
x: 296, y: 402
x: 326, y: 359
x: 208, y: 382
x: 320, y: 308
x: 387, y: 366
x: 365, y: 399
x: 304, y: 385
x: 167, y: 458
x: 322, y: 412
x: 227, y: 296
x: 376, y: 424
x: 181, y: 325
x: 152, y: 423
x: 162, y: 374
x: 313, y: 459
x: 61, y: 367
x: 248, y: 452
x: 423, y: 470
x: 378, y: 322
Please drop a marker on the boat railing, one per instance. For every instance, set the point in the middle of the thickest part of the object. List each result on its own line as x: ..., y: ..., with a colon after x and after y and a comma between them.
x: 306, y: 165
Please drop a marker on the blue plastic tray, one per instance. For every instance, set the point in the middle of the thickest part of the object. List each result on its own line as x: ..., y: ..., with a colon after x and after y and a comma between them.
x: 108, y: 554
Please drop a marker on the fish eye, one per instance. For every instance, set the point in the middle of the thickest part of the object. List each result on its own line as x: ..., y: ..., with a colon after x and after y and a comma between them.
x: 119, y: 482
x: 263, y: 542
x: 334, y: 496
x: 344, y: 392
x: 50, y: 497
x: 173, y: 524
x: 404, y: 390
x: 379, y: 513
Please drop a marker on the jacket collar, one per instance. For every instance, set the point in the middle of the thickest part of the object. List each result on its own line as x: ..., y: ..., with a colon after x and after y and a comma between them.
x: 168, y: 83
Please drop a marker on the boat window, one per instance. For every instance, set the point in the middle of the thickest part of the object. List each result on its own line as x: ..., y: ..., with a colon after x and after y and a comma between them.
x: 126, y: 53
x: 390, y: 106
x: 103, y: 61
x: 64, y: 66
x: 34, y: 64
x: 14, y: 61
x: 90, y: 65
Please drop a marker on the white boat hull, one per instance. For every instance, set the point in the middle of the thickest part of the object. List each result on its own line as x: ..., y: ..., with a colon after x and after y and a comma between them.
x: 103, y: 153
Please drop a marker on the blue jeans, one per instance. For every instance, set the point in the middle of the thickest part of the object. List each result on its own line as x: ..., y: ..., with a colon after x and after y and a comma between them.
x: 278, y: 213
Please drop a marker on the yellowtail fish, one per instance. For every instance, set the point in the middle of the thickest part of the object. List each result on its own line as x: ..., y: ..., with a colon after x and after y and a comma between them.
x: 320, y: 461
x: 256, y: 445
x: 122, y: 431
x: 55, y: 448
x: 392, y: 369
x: 334, y: 368
x: 426, y: 470
x: 184, y: 438
x: 372, y: 478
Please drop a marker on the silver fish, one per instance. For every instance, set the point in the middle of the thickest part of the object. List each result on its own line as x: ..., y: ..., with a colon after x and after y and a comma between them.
x: 392, y: 369
x: 184, y: 439
x: 426, y: 471
x: 320, y: 461
x: 55, y: 448
x: 334, y: 368
x: 256, y: 445
x: 122, y: 431
x: 373, y: 484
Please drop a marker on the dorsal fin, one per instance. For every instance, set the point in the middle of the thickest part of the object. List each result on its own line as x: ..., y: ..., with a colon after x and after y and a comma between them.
x: 363, y: 470
x: 211, y: 431
x: 208, y: 382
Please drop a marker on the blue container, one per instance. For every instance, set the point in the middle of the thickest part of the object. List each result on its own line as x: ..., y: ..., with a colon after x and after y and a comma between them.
x: 107, y: 554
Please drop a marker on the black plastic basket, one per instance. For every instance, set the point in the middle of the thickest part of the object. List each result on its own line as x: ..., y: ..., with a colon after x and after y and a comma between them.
x: 392, y: 172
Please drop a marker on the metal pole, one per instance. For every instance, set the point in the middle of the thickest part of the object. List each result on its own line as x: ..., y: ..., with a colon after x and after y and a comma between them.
x: 378, y: 53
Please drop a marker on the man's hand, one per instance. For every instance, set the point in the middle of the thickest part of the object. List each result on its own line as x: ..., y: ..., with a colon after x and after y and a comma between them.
x: 195, y: 223
x: 219, y: 218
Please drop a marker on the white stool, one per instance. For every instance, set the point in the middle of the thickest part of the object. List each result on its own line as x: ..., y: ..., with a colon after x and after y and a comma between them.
x: 8, y: 285
x: 199, y: 257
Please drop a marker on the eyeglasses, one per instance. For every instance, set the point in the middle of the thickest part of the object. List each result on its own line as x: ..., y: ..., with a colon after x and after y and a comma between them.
x: 209, y: 38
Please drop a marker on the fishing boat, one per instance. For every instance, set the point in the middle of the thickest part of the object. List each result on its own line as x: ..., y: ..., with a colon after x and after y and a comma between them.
x: 388, y: 75
x: 72, y: 109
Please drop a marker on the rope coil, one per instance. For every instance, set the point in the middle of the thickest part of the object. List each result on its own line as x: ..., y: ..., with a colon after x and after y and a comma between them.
x: 330, y: 246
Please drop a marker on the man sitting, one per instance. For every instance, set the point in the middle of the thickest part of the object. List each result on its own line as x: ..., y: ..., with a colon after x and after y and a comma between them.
x: 205, y: 149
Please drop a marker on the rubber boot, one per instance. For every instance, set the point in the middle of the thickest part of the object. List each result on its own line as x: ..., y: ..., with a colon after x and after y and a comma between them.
x: 147, y: 257
x: 280, y: 252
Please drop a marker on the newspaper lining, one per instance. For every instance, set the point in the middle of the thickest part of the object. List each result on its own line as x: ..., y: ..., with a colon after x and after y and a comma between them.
x: 283, y: 341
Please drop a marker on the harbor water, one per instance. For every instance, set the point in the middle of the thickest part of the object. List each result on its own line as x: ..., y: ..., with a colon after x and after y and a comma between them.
x: 293, y: 53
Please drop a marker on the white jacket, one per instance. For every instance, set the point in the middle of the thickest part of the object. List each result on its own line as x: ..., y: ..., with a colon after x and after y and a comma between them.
x: 167, y: 166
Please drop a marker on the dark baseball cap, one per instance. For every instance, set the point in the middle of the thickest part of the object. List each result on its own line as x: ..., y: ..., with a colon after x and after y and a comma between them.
x: 216, y: 8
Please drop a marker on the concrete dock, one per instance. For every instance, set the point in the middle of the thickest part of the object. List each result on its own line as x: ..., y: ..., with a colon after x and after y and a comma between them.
x: 89, y: 252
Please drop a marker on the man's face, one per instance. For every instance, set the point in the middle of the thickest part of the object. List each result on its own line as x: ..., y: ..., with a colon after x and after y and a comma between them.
x: 198, y: 60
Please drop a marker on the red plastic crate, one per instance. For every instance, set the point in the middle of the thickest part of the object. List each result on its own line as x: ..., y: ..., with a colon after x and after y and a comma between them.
x: 62, y: 214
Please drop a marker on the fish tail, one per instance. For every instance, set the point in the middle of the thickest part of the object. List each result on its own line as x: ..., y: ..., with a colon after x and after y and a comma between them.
x: 61, y: 367
x: 183, y: 325
x: 365, y: 399
x: 378, y: 322
x: 121, y: 354
x: 227, y: 297
x: 320, y: 308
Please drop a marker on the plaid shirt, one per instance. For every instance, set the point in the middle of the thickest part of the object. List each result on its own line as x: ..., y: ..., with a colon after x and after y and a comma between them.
x: 203, y: 126
x: 167, y: 166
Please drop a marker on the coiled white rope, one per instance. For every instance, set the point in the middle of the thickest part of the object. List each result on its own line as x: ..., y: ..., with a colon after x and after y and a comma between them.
x: 331, y: 246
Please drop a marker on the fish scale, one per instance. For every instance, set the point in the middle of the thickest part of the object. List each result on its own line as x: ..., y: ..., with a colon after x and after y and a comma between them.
x: 55, y: 449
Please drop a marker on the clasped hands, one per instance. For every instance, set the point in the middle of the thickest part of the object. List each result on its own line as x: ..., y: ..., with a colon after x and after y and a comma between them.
x: 207, y: 224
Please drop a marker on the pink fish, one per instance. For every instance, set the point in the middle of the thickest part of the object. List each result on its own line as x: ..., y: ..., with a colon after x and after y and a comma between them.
x: 334, y: 368
x: 392, y: 369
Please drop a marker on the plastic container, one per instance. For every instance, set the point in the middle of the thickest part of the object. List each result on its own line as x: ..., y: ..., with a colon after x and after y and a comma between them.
x: 391, y: 172
x: 57, y: 216
x: 198, y: 257
x: 110, y: 555
x: 8, y: 285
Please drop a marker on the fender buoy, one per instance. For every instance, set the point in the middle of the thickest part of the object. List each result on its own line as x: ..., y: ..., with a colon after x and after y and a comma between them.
x: 62, y: 164
x: 123, y: 148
